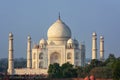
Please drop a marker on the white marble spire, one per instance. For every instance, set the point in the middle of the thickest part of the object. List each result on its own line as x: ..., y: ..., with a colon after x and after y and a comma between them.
x: 10, y: 55
x: 29, y: 63
x: 101, y: 48
x: 94, y: 46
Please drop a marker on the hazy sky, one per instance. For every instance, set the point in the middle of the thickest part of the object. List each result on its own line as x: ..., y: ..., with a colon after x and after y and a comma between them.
x: 34, y: 17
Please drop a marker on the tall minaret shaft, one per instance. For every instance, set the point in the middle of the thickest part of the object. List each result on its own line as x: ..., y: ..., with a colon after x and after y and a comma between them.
x: 29, y: 63
x: 10, y: 55
x: 82, y: 49
x: 101, y: 48
x: 94, y: 46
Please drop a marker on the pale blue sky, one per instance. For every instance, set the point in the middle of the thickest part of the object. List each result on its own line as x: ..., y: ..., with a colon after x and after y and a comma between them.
x: 33, y: 17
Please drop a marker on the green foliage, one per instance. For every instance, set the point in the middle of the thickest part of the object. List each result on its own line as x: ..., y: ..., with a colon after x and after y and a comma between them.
x: 101, y: 72
x: 66, y: 65
x: 68, y: 71
x: 96, y: 63
x: 96, y: 67
x: 80, y: 72
x: 86, y: 70
x: 116, y: 69
x: 54, y: 71
x: 64, y: 71
x: 110, y: 60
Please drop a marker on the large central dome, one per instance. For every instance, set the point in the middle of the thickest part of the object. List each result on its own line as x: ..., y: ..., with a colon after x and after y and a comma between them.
x: 59, y: 31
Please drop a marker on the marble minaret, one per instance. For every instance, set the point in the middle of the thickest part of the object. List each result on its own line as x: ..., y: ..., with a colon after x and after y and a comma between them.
x: 10, y: 55
x: 101, y: 48
x: 94, y: 46
x: 82, y: 49
x: 29, y: 61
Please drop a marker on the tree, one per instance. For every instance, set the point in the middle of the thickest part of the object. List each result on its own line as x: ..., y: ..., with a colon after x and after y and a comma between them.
x: 87, y: 69
x: 116, y: 70
x: 110, y: 60
x: 65, y: 71
x: 80, y: 72
x: 68, y: 70
x: 54, y: 71
x: 69, y: 73
x: 96, y: 63
x: 101, y: 72
x: 66, y: 65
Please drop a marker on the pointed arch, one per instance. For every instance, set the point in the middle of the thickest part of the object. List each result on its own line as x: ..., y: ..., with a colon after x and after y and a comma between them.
x: 41, y: 55
x: 69, y: 55
x: 55, y: 58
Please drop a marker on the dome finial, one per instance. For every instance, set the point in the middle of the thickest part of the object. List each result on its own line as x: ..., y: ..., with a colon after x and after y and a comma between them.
x: 59, y: 16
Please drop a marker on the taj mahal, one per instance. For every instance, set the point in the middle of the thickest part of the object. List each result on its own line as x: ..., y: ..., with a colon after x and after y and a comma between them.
x: 59, y: 47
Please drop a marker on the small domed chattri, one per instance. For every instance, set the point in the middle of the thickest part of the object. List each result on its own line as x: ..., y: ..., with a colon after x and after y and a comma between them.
x: 10, y: 34
x: 43, y: 41
x: 70, y: 41
x: 94, y: 34
x: 101, y: 37
x: 29, y: 37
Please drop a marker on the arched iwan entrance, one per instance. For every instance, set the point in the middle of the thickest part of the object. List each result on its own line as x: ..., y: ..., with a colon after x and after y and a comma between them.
x: 55, y: 58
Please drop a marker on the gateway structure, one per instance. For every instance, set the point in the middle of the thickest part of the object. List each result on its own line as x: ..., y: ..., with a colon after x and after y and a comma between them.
x: 60, y: 48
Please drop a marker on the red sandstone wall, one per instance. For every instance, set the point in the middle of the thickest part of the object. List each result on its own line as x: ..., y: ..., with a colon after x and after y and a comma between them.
x: 104, y: 79
x: 78, y: 79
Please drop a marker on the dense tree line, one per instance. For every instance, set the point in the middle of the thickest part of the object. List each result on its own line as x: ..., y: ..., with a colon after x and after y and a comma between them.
x: 3, y: 64
x: 18, y: 63
x: 110, y: 68
x: 116, y: 69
